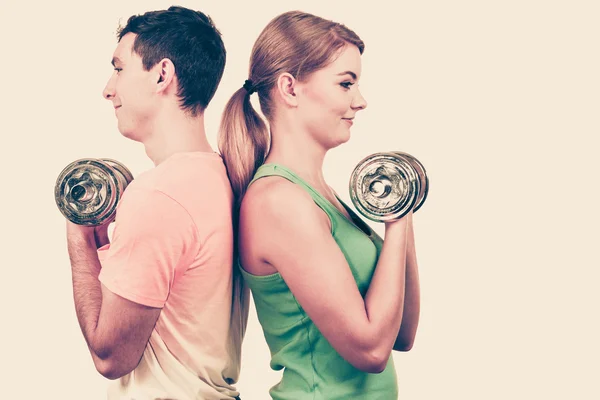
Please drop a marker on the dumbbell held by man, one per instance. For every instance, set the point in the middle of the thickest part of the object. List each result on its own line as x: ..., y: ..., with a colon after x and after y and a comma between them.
x: 88, y: 190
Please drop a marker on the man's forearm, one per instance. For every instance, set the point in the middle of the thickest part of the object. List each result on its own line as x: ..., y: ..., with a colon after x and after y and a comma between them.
x: 87, y: 291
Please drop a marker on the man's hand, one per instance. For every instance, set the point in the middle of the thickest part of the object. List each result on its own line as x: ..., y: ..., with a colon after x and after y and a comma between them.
x: 96, y: 235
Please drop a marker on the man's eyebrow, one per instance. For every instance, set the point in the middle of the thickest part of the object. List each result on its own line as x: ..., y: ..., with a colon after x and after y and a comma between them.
x: 116, y: 60
x: 352, y: 74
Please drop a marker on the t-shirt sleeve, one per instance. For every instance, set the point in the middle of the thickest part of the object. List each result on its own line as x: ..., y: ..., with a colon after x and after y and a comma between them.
x: 152, y: 243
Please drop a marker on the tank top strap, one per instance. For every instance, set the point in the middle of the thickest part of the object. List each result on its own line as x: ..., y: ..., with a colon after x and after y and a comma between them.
x: 279, y: 170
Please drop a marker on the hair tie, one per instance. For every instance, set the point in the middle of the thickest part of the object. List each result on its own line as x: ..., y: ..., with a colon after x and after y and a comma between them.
x: 249, y: 87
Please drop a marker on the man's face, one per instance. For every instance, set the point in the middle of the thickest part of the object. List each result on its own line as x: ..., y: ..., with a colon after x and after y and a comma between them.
x: 132, y: 90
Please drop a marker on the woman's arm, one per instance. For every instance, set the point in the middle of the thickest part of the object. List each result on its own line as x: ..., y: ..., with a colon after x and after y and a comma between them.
x: 412, y: 296
x: 299, y: 245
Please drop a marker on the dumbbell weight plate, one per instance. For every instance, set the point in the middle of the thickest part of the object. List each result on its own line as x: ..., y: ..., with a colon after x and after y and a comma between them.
x: 423, y: 179
x: 87, y: 191
x: 384, y: 186
x: 124, y: 174
x: 119, y: 167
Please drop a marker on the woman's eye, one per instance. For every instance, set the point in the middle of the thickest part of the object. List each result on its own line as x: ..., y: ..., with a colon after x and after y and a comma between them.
x: 346, y: 84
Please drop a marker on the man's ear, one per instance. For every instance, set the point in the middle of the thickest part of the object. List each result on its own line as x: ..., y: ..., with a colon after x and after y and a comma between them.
x: 165, y: 74
x: 286, y: 89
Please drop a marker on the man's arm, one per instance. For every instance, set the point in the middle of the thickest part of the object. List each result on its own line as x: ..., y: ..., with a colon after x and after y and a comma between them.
x: 115, y: 329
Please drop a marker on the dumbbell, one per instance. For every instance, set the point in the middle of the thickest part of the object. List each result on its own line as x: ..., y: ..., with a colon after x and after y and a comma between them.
x: 88, y: 190
x: 387, y: 185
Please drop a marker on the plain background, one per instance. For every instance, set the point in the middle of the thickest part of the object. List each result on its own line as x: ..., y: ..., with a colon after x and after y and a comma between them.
x: 498, y: 99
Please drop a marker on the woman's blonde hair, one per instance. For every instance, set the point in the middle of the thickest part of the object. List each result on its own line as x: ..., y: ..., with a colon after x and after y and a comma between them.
x: 294, y: 42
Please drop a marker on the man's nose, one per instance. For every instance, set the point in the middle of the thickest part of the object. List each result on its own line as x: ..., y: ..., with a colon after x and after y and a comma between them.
x: 109, y: 90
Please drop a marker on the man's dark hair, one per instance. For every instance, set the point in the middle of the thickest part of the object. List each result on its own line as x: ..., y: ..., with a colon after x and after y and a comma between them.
x: 191, y: 41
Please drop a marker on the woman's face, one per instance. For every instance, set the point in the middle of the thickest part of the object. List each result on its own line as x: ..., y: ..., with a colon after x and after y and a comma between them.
x: 329, y: 99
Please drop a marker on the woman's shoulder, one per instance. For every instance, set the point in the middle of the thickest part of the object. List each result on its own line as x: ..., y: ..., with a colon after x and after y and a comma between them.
x: 275, y: 196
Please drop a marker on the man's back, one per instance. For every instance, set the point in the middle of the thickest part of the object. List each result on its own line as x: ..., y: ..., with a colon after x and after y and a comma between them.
x: 172, y: 248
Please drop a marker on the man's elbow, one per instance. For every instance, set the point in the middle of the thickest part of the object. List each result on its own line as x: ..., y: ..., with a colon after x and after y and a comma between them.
x: 112, y: 369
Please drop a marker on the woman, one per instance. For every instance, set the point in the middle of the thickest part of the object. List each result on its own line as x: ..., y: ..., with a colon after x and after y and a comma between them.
x: 332, y: 298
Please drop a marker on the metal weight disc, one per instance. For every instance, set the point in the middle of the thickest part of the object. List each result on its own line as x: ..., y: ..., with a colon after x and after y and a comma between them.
x: 384, y: 186
x: 123, y: 174
x: 87, y: 191
x: 423, y: 179
x: 122, y: 169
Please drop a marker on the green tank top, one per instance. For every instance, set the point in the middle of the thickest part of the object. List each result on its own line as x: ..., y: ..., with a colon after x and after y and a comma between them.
x: 312, y: 368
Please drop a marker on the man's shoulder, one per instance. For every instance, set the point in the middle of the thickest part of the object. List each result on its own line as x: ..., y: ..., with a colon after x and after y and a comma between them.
x: 186, y: 169
x: 197, y: 182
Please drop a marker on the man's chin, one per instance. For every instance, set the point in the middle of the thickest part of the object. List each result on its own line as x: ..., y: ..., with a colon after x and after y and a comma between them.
x: 129, y: 134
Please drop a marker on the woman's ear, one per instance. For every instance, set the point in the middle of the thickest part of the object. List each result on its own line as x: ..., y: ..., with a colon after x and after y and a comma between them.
x: 286, y: 89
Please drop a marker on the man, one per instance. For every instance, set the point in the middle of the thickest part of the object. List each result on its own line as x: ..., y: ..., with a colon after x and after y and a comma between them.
x: 159, y: 305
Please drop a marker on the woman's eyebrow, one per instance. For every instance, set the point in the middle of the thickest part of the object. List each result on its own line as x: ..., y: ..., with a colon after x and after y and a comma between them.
x: 352, y: 74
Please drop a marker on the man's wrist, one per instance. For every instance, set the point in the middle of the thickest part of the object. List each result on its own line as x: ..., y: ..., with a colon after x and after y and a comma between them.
x: 82, y: 239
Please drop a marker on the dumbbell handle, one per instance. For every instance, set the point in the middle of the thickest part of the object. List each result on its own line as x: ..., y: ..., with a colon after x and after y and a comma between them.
x: 83, y: 192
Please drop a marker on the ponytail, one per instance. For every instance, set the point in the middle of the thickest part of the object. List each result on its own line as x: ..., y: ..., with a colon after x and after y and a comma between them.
x: 243, y: 141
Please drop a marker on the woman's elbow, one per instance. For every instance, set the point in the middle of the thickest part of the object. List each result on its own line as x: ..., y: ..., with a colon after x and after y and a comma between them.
x: 369, y: 353
x: 373, y: 362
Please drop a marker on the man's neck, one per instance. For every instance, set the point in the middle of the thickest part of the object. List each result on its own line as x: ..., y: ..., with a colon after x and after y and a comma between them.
x: 179, y: 133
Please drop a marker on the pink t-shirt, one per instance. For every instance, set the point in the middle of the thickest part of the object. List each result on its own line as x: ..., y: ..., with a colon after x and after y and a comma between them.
x: 172, y: 248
